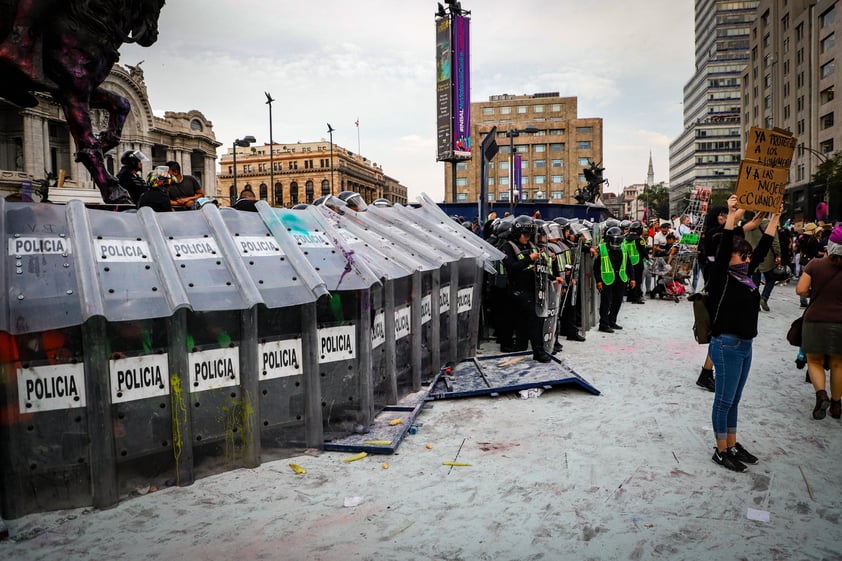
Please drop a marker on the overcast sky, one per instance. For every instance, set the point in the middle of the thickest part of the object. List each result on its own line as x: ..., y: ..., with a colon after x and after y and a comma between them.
x: 338, y: 60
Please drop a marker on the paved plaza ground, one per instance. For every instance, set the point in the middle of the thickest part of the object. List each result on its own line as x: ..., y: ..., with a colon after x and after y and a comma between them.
x: 565, y: 475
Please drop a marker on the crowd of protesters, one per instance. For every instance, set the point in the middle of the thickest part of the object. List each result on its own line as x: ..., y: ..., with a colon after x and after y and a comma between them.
x: 739, y: 257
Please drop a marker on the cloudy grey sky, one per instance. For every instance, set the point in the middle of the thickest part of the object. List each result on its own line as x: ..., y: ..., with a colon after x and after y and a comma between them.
x: 338, y: 60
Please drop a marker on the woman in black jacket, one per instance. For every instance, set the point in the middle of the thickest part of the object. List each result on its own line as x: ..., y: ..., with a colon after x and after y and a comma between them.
x: 734, y: 305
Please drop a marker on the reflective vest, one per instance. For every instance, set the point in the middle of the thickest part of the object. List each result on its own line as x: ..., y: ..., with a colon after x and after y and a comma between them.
x: 607, y: 269
x: 631, y: 248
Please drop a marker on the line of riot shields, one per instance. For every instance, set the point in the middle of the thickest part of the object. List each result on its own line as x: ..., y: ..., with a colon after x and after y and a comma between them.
x: 143, y: 346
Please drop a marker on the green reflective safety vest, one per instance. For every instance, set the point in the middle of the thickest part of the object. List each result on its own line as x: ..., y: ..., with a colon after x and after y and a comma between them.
x: 607, y: 269
x: 631, y: 248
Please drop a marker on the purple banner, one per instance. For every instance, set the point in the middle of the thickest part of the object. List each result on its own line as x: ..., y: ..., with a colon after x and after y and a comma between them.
x: 444, y: 87
x: 461, y: 87
x: 517, y: 177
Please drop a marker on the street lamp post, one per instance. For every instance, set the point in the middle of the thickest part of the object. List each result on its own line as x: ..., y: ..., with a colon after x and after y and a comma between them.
x: 269, y: 101
x: 330, y: 132
x: 512, y: 133
x: 243, y: 142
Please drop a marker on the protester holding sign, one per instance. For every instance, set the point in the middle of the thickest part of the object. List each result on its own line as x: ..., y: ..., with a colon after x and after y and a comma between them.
x: 734, y: 301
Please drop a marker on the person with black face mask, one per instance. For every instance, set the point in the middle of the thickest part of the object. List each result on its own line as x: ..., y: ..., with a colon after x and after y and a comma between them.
x: 734, y: 304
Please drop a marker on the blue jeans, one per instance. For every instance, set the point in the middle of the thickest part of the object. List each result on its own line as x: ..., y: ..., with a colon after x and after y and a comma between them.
x: 731, y: 358
x: 767, y: 288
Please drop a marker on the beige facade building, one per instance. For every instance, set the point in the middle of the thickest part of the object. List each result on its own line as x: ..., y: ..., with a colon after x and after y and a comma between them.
x: 790, y: 82
x: 303, y: 172
x: 36, y: 140
x: 552, y: 159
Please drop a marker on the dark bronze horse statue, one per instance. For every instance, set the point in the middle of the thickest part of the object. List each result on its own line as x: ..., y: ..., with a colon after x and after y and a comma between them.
x: 66, y: 48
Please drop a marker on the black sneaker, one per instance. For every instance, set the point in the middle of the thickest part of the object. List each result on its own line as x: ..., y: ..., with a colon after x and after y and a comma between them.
x: 576, y: 337
x: 557, y: 347
x: 742, y: 454
x: 605, y: 329
x: 543, y: 357
x: 615, y: 326
x: 727, y: 460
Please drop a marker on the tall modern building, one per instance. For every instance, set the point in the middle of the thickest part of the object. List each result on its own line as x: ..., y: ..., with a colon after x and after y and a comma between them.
x: 707, y: 153
x: 553, y: 155
x: 790, y: 83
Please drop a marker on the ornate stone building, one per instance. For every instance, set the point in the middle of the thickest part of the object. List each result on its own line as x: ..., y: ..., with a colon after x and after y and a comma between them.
x: 302, y: 173
x: 36, y: 140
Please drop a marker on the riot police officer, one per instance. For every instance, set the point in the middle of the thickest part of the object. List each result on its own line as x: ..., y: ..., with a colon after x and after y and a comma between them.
x: 612, y: 271
x: 521, y: 259
x: 638, y: 252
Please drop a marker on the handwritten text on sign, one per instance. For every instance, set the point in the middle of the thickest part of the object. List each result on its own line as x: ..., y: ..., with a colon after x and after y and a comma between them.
x: 760, y: 187
x: 773, y: 148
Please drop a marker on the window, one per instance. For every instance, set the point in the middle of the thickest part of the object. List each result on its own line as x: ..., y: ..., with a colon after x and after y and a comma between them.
x: 826, y: 121
x: 247, y: 168
x: 826, y: 147
x: 540, y: 180
x: 524, y: 164
x: 556, y: 179
x: 827, y: 18
x: 524, y: 180
x: 557, y: 163
x: 196, y: 126
x: 278, y: 166
x: 503, y: 180
x: 309, y: 191
x: 261, y: 168
x: 828, y: 69
x: 491, y: 197
x: 557, y: 132
x: 293, y: 193
x: 522, y: 149
x: 279, y: 194
x: 461, y: 196
x: 826, y: 95
x: 555, y: 107
x: 582, y: 178
x: 506, y: 110
x: 583, y: 130
x: 557, y: 147
x: 827, y: 43
x: 461, y: 166
x: 785, y: 22
x: 538, y: 108
x: 556, y: 195
x: 324, y: 163
x: 308, y: 164
x: 767, y: 80
x: 325, y: 187
x: 584, y: 145
x: 293, y: 164
x: 504, y: 165
x: 488, y: 111
x: 799, y: 31
x: 539, y: 148
x: 264, y: 191
x: 503, y: 196
x: 767, y: 102
x: 584, y: 161
x: 230, y: 170
x: 540, y: 163
x: 490, y: 181
x: 521, y: 109
x: 786, y: 112
x: 461, y: 181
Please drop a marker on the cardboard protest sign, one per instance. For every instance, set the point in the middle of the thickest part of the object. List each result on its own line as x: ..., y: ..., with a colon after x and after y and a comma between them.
x: 771, y: 147
x: 761, y: 188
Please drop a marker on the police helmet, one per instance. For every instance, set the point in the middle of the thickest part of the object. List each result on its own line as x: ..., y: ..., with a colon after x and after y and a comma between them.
x: 202, y: 201
x: 636, y: 227
x: 132, y: 157
x: 353, y: 200
x: 334, y: 203
x: 503, y: 230
x: 561, y: 221
x: 611, y: 223
x: 300, y: 206
x: 523, y: 225
x: 625, y: 224
x: 553, y: 231
x: 614, y: 237
x: 159, y: 178
x: 382, y: 203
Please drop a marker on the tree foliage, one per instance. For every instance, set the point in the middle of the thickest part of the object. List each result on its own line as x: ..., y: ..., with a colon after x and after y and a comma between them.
x: 656, y: 198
